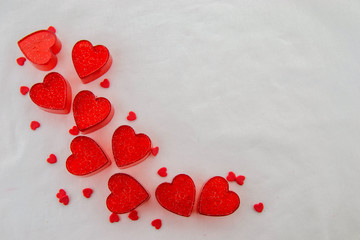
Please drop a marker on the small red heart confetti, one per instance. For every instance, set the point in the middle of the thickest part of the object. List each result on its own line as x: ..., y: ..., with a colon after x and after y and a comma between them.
x: 126, y: 193
x: 155, y: 151
x: 91, y: 113
x: 34, y: 125
x: 52, y: 159
x: 156, y: 223
x: 53, y: 94
x: 74, y: 131
x: 105, y: 83
x: 216, y: 199
x: 114, y: 218
x: 133, y: 215
x: 24, y: 90
x: 87, y: 192
x: 162, y: 172
x: 40, y: 48
x: 61, y: 193
x: 177, y: 197
x: 129, y: 148
x: 64, y: 200
x: 87, y: 158
x: 240, y: 179
x: 231, y: 177
x: 259, y: 207
x: 52, y: 29
x: 131, y: 116
x: 90, y: 62
x: 21, y: 61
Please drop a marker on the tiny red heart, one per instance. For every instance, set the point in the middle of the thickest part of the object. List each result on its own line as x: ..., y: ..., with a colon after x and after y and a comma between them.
x: 87, y: 192
x: 105, y: 83
x: 259, y: 207
x: 162, y: 172
x: 21, y: 61
x: 52, y: 159
x: 133, y: 215
x: 131, y: 116
x: 52, y: 29
x: 61, y: 193
x: 114, y: 218
x: 24, y: 90
x: 156, y: 223
x: 74, y: 131
x: 64, y: 200
x: 155, y: 151
x: 240, y: 179
x: 34, y: 125
x: 231, y: 177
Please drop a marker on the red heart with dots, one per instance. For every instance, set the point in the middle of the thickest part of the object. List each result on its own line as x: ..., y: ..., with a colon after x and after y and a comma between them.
x: 91, y: 113
x: 87, y: 158
x: 216, y: 199
x: 177, y: 197
x: 128, y: 147
x: 90, y: 62
x: 126, y: 193
x: 41, y: 48
x: 53, y: 94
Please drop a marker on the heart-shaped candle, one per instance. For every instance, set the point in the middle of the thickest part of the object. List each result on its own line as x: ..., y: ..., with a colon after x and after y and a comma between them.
x: 90, y: 62
x: 129, y: 148
x: 91, y: 113
x: 41, y: 48
x: 126, y: 193
x: 216, y: 199
x: 87, y: 158
x: 53, y: 94
x: 177, y: 197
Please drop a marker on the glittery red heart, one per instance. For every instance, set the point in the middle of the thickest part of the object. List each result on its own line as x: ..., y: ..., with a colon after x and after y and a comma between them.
x: 40, y: 48
x: 91, y: 113
x: 87, y: 157
x: 177, y: 197
x: 90, y: 62
x: 53, y: 94
x: 216, y: 199
x: 126, y: 193
x: 129, y: 148
x: 259, y: 207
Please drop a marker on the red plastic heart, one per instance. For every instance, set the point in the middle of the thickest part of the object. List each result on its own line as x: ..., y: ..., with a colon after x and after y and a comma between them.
x: 91, y: 113
x: 216, y: 199
x: 87, y: 192
x: 53, y: 94
x: 90, y: 62
x: 156, y: 223
x: 126, y: 193
x: 129, y: 148
x: 40, y: 48
x: 131, y: 116
x: 87, y: 158
x: 133, y: 215
x: 162, y: 172
x: 177, y: 197
x: 259, y: 207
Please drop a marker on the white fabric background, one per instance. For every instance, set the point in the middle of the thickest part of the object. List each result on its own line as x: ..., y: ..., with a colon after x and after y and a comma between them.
x: 268, y: 89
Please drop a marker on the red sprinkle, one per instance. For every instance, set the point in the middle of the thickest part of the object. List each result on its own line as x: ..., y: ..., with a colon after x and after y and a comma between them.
x: 52, y: 29
x: 61, y: 193
x: 105, y: 83
x: 87, y: 192
x: 24, y: 90
x: 155, y: 151
x: 64, y: 200
x: 74, y: 131
x: 34, y: 125
x: 240, y: 179
x: 131, y: 116
x: 259, y: 207
x: 21, y: 61
x: 133, y: 215
x: 231, y: 177
x: 114, y: 218
x: 156, y: 223
x: 52, y: 159
x: 162, y: 172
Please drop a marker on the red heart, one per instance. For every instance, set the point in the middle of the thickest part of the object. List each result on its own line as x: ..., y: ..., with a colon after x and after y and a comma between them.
x: 259, y: 207
x: 34, y: 125
x: 53, y: 94
x: 61, y: 193
x: 52, y: 159
x: 155, y: 151
x: 231, y: 177
x: 90, y: 62
x: 126, y: 193
x: 64, y: 200
x: 87, y: 192
x: 162, y: 172
x: 21, y: 61
x: 133, y: 215
x: 24, y: 90
x: 74, y: 131
x: 156, y: 223
x: 216, y: 199
x: 91, y: 113
x: 131, y: 116
x: 40, y: 48
x: 105, y: 83
x: 114, y: 218
x: 177, y: 197
x: 129, y: 148
x: 240, y: 179
x: 87, y: 157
